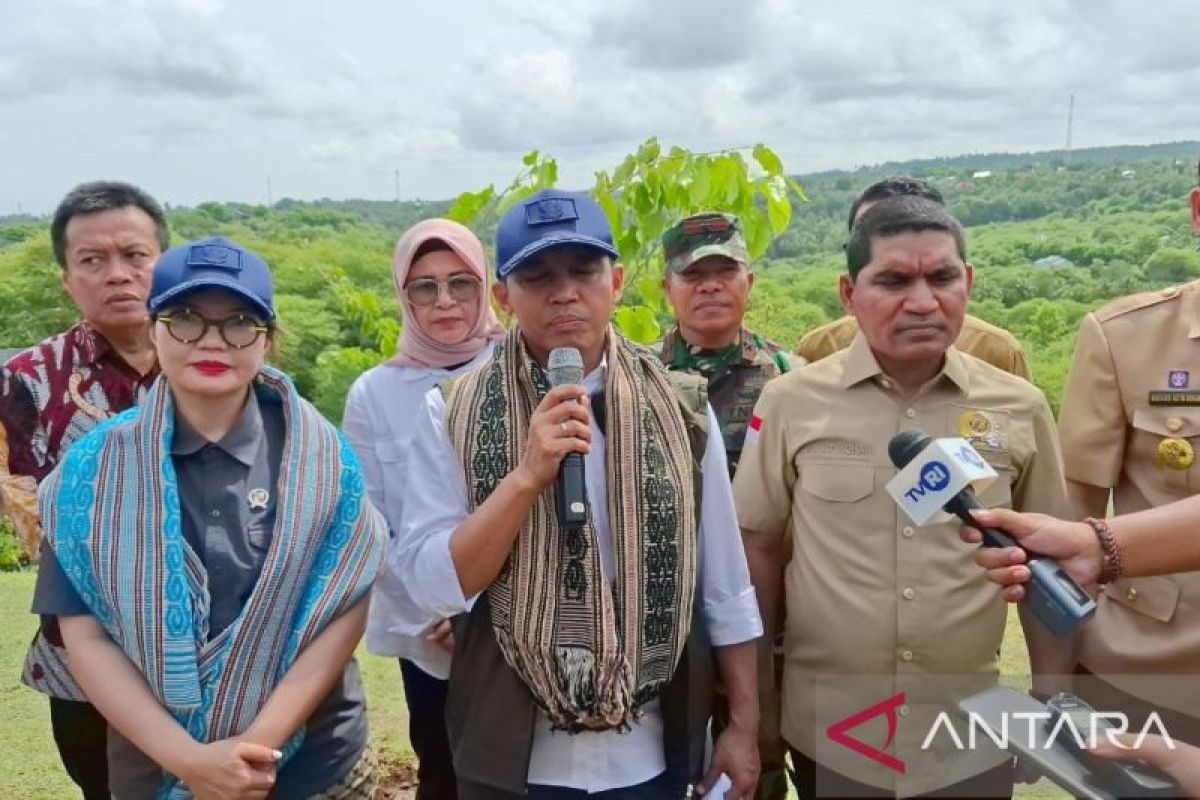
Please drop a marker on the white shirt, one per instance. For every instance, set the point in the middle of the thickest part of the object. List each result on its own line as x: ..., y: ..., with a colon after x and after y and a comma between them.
x: 593, y: 761
x: 381, y: 412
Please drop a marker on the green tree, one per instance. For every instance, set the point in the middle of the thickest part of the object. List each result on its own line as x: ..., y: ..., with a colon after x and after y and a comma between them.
x: 647, y: 193
x: 1172, y: 265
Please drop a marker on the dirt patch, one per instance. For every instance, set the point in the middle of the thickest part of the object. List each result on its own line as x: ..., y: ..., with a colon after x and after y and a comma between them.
x: 399, y: 778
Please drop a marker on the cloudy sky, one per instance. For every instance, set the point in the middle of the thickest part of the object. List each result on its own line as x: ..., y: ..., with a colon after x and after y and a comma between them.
x: 204, y: 99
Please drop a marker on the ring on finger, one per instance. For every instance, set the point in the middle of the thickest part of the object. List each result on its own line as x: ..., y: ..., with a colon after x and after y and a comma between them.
x: 563, y: 425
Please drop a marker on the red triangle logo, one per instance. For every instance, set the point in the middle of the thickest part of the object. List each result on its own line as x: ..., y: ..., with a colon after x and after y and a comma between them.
x: 838, y: 732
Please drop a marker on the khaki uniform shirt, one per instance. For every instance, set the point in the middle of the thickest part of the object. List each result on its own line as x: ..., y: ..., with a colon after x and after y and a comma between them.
x: 981, y: 339
x: 875, y: 604
x: 1130, y: 420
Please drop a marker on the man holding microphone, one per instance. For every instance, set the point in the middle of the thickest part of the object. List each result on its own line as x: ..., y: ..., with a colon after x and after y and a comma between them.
x: 583, y: 652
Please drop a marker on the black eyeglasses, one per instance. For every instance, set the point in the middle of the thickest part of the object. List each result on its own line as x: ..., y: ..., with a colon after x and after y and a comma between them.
x: 188, y: 327
x: 425, y: 291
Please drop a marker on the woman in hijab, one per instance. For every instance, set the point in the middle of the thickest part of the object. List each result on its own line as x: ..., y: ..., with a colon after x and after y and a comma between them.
x: 208, y: 559
x: 441, y: 277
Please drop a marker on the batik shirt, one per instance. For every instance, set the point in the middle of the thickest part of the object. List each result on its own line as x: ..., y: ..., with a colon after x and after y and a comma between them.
x: 50, y: 396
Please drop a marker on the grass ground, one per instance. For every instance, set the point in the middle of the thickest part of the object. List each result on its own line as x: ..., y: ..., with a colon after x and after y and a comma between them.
x: 29, y: 766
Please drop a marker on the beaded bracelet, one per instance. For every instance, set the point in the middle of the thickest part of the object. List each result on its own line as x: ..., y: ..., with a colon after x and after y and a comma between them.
x: 1114, y: 559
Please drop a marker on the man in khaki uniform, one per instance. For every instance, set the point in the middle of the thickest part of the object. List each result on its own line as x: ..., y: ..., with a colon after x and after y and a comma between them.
x: 880, y: 611
x: 1130, y: 423
x: 981, y: 339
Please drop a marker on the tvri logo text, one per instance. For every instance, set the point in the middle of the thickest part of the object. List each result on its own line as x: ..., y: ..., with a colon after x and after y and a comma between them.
x: 1107, y: 723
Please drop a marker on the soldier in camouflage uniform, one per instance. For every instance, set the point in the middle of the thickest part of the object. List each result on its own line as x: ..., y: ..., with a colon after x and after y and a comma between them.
x: 708, y: 281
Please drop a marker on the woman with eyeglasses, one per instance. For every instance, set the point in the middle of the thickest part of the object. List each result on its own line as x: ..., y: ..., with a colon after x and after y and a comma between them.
x: 209, y: 557
x: 441, y: 278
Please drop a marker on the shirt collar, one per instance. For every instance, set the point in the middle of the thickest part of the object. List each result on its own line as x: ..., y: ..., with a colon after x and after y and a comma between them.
x: 594, y: 380
x: 91, y: 345
x: 678, y: 352
x: 860, y: 365
x: 241, y: 441
x: 92, y: 348
x: 1191, y: 296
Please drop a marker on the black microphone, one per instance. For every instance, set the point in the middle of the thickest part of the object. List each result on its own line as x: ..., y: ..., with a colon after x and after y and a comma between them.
x: 565, y: 368
x: 1054, y: 597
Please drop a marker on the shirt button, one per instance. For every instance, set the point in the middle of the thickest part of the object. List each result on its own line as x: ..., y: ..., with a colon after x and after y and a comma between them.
x: 906, y: 655
x: 907, y: 532
x: 1174, y: 424
x: 1132, y: 595
x: 909, y: 593
x: 214, y: 513
x: 885, y: 383
x: 910, y: 413
x: 903, y: 711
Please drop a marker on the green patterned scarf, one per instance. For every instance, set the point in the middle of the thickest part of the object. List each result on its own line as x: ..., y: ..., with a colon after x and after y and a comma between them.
x: 591, y: 652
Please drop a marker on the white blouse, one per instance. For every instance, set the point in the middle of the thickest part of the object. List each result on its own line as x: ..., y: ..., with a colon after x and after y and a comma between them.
x: 382, y: 410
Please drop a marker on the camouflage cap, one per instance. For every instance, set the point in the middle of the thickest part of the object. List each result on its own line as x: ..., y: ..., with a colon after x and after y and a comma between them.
x: 700, y: 235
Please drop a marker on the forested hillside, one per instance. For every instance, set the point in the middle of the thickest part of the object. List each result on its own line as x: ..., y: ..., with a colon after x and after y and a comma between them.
x: 1050, y: 241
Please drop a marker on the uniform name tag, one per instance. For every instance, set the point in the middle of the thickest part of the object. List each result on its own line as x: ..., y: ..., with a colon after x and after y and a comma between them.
x: 1190, y: 397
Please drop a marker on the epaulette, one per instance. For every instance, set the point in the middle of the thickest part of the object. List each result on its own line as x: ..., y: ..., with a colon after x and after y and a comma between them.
x: 1135, y: 302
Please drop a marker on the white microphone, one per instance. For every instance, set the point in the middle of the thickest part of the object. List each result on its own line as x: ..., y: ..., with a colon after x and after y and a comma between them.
x: 936, y: 475
x: 943, y: 474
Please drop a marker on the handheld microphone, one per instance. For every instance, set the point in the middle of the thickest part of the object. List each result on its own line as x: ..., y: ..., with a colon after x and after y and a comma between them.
x: 565, y: 368
x: 940, y: 474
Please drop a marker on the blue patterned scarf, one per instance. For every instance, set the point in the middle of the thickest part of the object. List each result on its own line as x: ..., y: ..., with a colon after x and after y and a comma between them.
x: 111, y: 513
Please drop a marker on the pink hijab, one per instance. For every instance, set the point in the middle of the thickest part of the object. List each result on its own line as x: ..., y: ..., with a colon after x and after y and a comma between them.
x: 415, y: 347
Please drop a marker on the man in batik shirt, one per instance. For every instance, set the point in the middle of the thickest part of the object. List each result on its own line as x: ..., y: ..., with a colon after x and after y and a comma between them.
x: 106, y: 238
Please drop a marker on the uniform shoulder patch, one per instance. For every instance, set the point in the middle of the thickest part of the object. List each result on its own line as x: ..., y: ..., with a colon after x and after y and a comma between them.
x: 1136, y: 302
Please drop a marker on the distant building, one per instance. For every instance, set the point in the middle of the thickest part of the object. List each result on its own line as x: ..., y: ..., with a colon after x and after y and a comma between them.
x: 1128, y: 173
x: 1053, y: 262
x: 983, y: 173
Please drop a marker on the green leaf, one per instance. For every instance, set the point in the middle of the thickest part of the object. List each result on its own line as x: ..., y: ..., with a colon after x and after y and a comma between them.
x: 468, y: 205
x: 638, y: 323
x: 649, y: 287
x: 530, y: 158
x: 797, y: 189
x: 648, y: 152
x: 701, y: 186
x: 758, y: 232
x: 767, y: 159
x: 779, y: 214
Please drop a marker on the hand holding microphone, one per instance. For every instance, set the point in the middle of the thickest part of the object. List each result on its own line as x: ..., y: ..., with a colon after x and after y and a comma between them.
x: 560, y: 427
x: 1073, y: 544
x: 559, y: 435
x: 938, y: 475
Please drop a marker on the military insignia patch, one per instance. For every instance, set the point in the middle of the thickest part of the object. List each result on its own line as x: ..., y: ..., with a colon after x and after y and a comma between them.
x: 1176, y: 454
x: 983, y: 430
x: 1178, y: 379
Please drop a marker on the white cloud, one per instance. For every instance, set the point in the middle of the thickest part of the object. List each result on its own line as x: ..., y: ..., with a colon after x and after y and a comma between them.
x: 204, y: 98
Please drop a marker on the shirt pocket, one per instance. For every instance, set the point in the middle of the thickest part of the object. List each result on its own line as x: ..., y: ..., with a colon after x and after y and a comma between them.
x: 393, y: 475
x: 1156, y: 597
x: 260, y: 532
x: 837, y: 483
x: 1154, y: 426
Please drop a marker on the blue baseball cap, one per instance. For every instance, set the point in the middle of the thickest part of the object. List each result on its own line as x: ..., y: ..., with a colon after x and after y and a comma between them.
x: 213, y: 263
x: 551, y: 218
